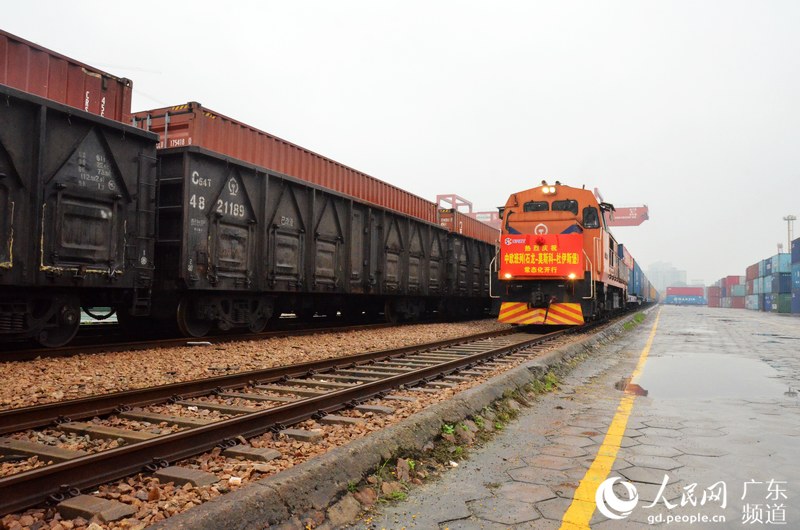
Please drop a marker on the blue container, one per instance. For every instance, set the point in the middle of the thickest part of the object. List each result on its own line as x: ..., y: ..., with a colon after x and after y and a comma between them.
x: 767, y: 267
x: 781, y: 283
x: 675, y: 299
x: 635, y: 286
x: 781, y: 263
x: 795, y: 302
x: 795, y: 276
x: 752, y: 302
x: 796, y: 250
x: 723, y: 292
x: 767, y: 304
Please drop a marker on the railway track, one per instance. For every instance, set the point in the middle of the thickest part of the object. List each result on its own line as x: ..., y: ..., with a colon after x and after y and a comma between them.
x: 277, y: 398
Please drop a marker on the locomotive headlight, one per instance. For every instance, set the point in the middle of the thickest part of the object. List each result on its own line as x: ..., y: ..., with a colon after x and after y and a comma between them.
x: 571, y: 276
x: 552, y: 189
x: 545, y: 189
x: 507, y: 276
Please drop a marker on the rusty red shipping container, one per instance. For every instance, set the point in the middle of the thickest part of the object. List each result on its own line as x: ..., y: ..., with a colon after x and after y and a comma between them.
x: 737, y: 302
x: 686, y: 291
x: 192, y: 124
x: 36, y: 70
x: 751, y: 273
x: 733, y: 280
x: 714, y: 292
x: 714, y: 301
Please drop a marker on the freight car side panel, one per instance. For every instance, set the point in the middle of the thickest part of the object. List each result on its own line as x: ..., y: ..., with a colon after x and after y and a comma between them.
x: 208, y: 223
x: 288, y: 225
x: 75, y: 190
x: 330, y: 215
x: 222, y: 219
x: 16, y: 162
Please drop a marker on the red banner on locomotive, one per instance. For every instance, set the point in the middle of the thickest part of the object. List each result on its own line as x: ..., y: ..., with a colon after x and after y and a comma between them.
x: 536, y: 255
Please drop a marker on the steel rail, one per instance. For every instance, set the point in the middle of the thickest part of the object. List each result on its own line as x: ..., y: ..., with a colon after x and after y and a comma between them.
x: 35, y: 486
x: 19, y: 419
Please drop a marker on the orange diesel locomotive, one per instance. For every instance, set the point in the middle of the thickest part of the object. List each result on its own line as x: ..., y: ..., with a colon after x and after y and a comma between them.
x: 558, y: 263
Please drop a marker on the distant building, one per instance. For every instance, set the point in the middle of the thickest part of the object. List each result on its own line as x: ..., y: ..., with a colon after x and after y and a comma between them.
x: 663, y: 275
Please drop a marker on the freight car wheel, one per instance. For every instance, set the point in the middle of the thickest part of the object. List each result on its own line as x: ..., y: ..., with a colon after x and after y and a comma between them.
x: 62, y: 325
x: 188, y: 323
x: 258, y: 325
x: 390, y: 313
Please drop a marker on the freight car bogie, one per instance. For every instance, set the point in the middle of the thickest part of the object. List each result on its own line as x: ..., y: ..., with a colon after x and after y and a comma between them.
x: 50, y: 318
x: 61, y: 321
x: 198, y: 314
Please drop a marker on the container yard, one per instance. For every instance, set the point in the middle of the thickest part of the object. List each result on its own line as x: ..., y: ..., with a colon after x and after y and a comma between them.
x: 771, y: 285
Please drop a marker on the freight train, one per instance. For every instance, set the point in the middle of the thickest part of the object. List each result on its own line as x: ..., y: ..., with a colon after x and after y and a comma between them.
x: 96, y: 212
x: 558, y: 262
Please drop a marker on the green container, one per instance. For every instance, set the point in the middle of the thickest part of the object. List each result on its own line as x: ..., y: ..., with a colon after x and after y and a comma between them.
x: 781, y: 303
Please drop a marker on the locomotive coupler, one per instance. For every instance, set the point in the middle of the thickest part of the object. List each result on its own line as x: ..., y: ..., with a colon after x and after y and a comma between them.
x: 538, y: 300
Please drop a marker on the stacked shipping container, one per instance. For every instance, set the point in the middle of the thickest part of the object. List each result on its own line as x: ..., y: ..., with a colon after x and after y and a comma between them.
x: 777, y: 284
x: 753, y: 288
x: 728, y: 292
x: 685, y: 296
x: 771, y: 285
x: 795, y: 276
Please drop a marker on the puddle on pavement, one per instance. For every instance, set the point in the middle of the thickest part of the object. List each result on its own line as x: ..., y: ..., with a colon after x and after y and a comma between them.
x: 710, y: 375
x: 630, y: 388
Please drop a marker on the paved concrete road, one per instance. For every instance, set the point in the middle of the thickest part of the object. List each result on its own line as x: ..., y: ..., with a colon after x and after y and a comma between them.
x: 719, y: 424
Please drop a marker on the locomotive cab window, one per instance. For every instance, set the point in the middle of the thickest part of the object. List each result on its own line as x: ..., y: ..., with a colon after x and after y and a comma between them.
x: 591, y: 219
x: 568, y: 205
x: 536, y: 206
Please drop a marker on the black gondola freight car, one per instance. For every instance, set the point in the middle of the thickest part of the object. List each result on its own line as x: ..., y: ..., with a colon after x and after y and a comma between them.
x: 238, y: 244
x: 77, y: 200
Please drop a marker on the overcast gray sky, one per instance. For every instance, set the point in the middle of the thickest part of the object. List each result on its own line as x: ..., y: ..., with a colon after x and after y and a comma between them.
x: 692, y: 108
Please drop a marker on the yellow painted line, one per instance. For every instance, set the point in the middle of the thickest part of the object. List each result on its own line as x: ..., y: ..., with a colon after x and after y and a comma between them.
x: 583, y: 504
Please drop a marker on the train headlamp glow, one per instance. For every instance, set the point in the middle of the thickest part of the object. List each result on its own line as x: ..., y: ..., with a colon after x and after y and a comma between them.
x: 571, y: 276
x: 548, y: 190
x: 507, y: 276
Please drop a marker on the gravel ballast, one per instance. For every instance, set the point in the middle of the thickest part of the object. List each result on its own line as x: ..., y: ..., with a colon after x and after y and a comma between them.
x: 48, y: 380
